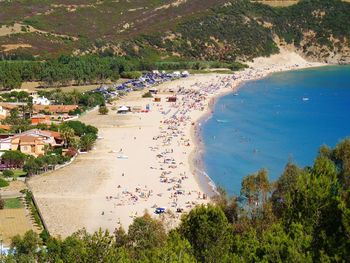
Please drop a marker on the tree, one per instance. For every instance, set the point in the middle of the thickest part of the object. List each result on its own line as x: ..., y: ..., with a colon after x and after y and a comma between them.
x: 103, y: 110
x: 227, y: 204
x: 176, y: 249
x: 2, y: 203
x: 68, y: 135
x: 145, y: 234
x: 255, y: 187
x: 209, y: 233
x: 87, y: 141
x: 14, y: 158
x: 27, y: 245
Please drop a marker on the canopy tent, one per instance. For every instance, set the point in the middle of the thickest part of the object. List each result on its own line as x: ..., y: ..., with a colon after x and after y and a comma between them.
x: 123, y: 109
x: 153, y: 90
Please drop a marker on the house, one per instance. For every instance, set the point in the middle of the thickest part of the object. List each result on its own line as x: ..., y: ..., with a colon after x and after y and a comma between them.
x: 51, y: 138
x: 32, y: 142
x: 32, y: 145
x: 3, y: 113
x: 5, y: 127
x: 41, y: 101
x: 40, y: 119
x: 54, y: 109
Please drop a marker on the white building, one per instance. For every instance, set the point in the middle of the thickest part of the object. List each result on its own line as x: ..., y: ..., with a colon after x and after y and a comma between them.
x: 3, y: 113
x: 41, y: 101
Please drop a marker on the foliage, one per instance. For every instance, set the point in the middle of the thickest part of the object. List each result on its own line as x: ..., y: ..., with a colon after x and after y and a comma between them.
x: 302, y: 217
x: 79, y: 128
x: 103, y: 110
x: 145, y: 234
x: 147, y: 95
x: 8, y: 173
x: 3, y: 183
x: 33, y: 209
x: 131, y: 74
x: 208, y: 231
x: 2, y: 203
x: 87, y: 141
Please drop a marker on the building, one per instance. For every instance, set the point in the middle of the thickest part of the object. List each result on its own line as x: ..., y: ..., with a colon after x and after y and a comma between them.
x: 32, y: 142
x: 3, y: 113
x: 41, y: 101
x: 40, y: 119
x: 54, y: 109
x: 32, y: 145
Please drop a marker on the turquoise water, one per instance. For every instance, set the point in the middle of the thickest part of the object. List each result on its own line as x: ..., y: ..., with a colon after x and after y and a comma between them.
x: 284, y: 117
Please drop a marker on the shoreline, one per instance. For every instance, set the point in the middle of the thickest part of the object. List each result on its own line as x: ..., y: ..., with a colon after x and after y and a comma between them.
x: 99, y: 189
x: 206, y: 183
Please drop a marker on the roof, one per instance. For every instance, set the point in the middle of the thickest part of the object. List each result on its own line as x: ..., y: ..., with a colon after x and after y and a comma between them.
x: 123, y: 108
x: 5, y: 127
x: 45, y: 133
x: 54, y: 134
x: 55, y: 108
x: 27, y: 139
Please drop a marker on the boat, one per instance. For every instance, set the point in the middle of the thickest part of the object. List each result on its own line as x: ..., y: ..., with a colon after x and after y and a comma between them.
x: 305, y: 99
x: 122, y: 156
x: 235, y: 94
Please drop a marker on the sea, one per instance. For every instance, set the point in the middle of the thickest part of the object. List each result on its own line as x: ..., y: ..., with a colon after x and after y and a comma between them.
x: 282, y: 118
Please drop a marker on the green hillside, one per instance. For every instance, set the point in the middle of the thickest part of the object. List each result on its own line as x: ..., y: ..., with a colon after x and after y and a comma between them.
x: 210, y: 30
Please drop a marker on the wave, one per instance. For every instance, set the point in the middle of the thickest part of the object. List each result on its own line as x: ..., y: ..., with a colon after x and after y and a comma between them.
x: 222, y: 121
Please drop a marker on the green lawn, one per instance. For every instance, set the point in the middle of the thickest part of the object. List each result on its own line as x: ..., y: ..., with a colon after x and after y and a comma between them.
x: 19, y: 173
x: 13, y: 203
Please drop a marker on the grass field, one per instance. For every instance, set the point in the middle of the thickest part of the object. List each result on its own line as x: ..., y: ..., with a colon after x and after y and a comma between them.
x: 13, y: 203
x: 33, y: 86
x: 13, y: 222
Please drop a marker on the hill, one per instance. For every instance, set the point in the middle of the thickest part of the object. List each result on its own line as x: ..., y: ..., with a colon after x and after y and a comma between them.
x: 173, y: 29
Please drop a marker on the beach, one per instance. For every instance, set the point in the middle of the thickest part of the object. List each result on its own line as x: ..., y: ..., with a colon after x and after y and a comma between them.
x: 144, y: 160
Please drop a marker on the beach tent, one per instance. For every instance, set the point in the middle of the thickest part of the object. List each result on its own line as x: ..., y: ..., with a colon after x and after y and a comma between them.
x: 185, y: 73
x: 123, y: 109
x: 153, y: 90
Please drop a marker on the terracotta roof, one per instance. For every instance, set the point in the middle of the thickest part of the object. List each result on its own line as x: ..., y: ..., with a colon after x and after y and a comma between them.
x: 5, y: 127
x: 55, y: 108
x: 8, y: 106
x: 51, y: 134
x: 27, y: 139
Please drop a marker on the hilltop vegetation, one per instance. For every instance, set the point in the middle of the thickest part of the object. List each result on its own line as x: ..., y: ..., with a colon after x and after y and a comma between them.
x: 303, y: 217
x: 205, y: 30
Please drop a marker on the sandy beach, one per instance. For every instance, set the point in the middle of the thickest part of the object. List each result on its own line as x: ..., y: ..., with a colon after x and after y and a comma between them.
x: 143, y: 160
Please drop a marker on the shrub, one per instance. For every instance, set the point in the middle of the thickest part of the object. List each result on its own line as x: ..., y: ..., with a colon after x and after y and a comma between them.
x: 131, y: 74
x: 103, y: 110
x: 8, y: 173
x: 71, y: 152
x: 3, y: 183
x: 2, y: 203
x: 147, y: 95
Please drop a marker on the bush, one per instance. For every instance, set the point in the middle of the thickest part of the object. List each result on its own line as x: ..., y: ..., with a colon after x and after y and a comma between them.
x: 131, y: 74
x: 8, y: 173
x: 3, y: 183
x: 147, y: 95
x: 103, y: 110
x: 2, y: 203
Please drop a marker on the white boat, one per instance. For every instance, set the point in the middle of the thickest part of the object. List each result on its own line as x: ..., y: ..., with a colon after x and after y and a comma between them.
x: 305, y: 99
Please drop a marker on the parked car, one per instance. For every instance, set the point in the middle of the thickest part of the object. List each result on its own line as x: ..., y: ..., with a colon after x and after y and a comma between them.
x: 159, y: 210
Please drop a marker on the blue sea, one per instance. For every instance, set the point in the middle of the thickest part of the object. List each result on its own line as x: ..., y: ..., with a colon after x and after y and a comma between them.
x: 284, y: 117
